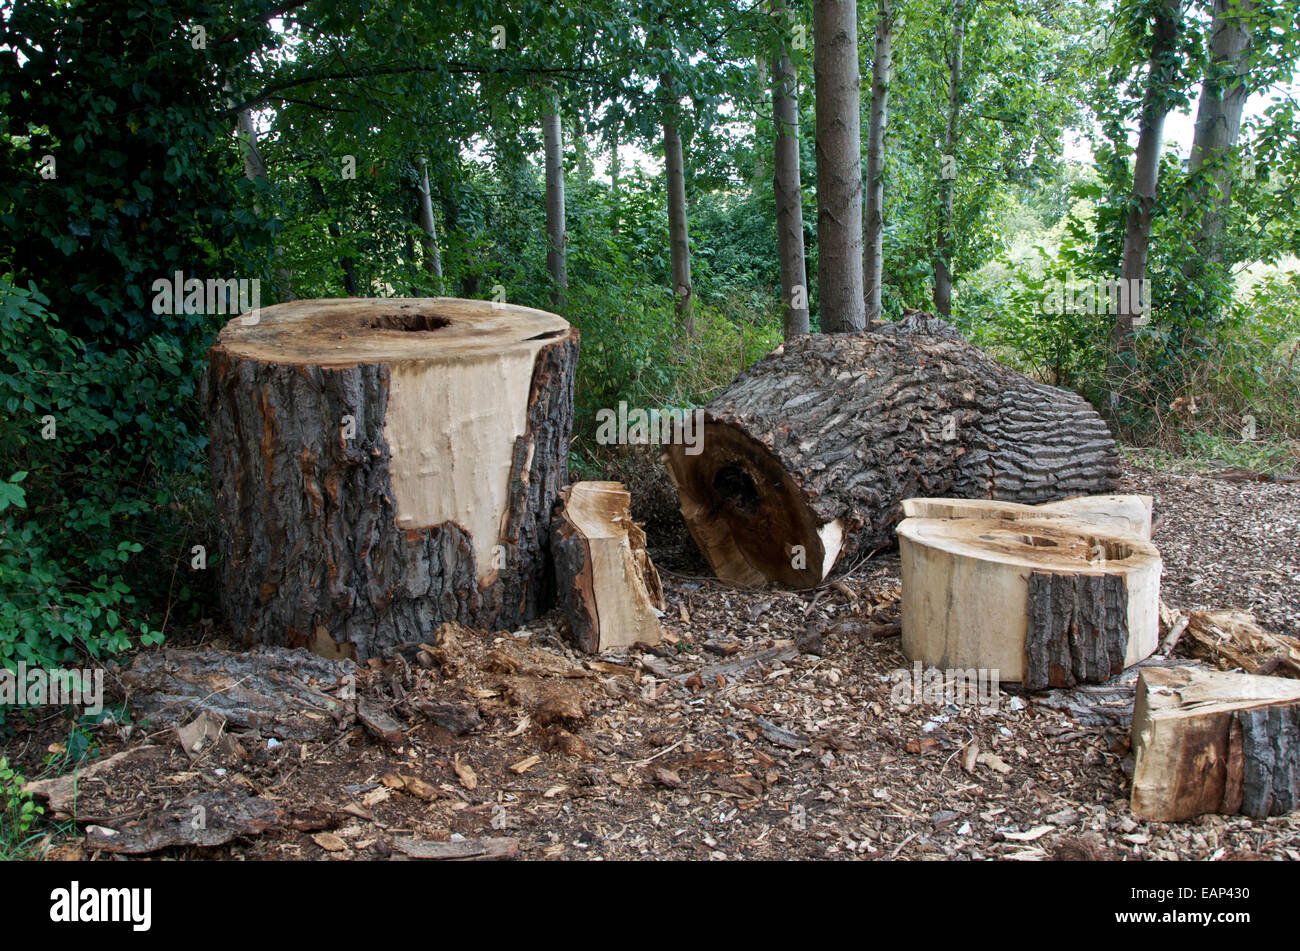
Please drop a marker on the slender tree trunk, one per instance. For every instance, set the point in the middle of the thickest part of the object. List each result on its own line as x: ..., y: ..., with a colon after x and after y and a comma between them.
x: 787, y: 188
x: 615, y: 170
x: 255, y: 169
x: 947, y: 172
x: 839, y: 166
x: 432, y: 253
x: 761, y: 171
x: 1218, y: 121
x: 679, y: 243
x: 1156, y: 101
x: 873, y: 262
x: 557, y: 236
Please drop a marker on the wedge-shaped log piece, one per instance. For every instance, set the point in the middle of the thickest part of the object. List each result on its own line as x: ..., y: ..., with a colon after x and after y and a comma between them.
x: 606, y: 584
x: 1207, y: 741
x: 1046, y: 602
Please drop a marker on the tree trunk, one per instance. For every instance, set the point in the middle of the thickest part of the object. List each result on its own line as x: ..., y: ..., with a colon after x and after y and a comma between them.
x: 679, y: 243
x: 557, y: 235
x: 809, y: 454
x: 606, y: 585
x: 882, y: 67
x: 761, y: 171
x: 1156, y: 102
x: 943, y: 244
x: 254, y: 170
x: 432, y: 253
x: 789, y: 192
x: 839, y: 166
x: 383, y: 466
x: 1047, y: 602
x: 1218, y: 121
x: 1205, y: 741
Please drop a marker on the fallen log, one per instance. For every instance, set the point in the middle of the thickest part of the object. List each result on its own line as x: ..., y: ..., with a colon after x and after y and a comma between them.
x: 806, y: 458
x: 1047, y: 603
x: 382, y: 466
x: 1206, y: 741
x: 607, y: 587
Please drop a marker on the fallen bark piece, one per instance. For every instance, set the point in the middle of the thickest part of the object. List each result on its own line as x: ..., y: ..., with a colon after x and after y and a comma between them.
x: 202, y: 820
x: 289, y: 694
x: 1046, y: 603
x: 383, y: 466
x: 1231, y: 638
x: 807, y: 456
x: 60, y: 794
x: 379, y: 723
x: 458, y: 718
x: 606, y: 584
x: 1207, y: 741
x: 1121, y: 514
x: 460, y: 850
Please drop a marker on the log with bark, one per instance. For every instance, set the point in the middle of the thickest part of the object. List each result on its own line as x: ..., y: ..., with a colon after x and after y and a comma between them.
x: 807, y: 457
x: 607, y: 587
x: 1048, y: 602
x: 383, y: 466
x: 1206, y: 741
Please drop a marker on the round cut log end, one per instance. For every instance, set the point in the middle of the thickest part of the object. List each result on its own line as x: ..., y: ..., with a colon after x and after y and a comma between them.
x: 1046, y: 602
x: 746, y: 513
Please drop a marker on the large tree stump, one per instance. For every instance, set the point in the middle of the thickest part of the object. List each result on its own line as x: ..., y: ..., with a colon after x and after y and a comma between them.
x: 1048, y: 602
x: 809, y: 454
x: 1205, y: 741
x: 383, y: 466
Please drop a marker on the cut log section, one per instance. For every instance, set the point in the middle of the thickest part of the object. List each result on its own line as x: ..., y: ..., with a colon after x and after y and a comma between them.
x: 607, y: 586
x: 1206, y: 741
x: 1128, y: 514
x: 382, y: 466
x: 1047, y: 603
x: 806, y: 458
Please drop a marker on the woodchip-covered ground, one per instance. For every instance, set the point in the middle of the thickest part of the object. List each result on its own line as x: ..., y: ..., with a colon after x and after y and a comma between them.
x: 767, y: 726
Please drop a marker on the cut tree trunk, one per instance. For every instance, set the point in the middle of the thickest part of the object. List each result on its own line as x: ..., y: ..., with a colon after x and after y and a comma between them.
x: 606, y: 584
x: 1205, y: 741
x: 807, y: 457
x: 382, y: 466
x: 1045, y: 602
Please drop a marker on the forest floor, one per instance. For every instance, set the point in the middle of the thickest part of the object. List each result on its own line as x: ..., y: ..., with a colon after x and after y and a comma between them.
x: 767, y: 726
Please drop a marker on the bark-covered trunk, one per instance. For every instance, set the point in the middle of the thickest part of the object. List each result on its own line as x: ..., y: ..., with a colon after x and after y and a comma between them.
x: 807, y: 457
x: 761, y: 171
x: 1218, y: 122
x: 788, y: 192
x: 381, y: 467
x: 255, y: 170
x: 679, y: 241
x: 839, y: 166
x: 873, y: 254
x: 556, y: 232
x: 943, y: 242
x: 432, y: 253
x: 1156, y: 101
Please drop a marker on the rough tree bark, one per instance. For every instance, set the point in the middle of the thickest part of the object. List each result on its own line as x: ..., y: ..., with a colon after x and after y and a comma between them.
x: 1156, y: 102
x: 943, y: 237
x: 788, y: 191
x: 873, y: 254
x: 1205, y: 741
x: 383, y: 466
x: 839, y: 166
x: 432, y: 253
x: 556, y: 232
x: 809, y: 453
x: 679, y: 240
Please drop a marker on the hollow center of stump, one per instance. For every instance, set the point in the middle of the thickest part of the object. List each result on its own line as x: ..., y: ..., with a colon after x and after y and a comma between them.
x: 414, y: 323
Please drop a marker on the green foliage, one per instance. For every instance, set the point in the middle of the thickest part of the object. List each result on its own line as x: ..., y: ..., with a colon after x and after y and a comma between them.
x: 18, y: 813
